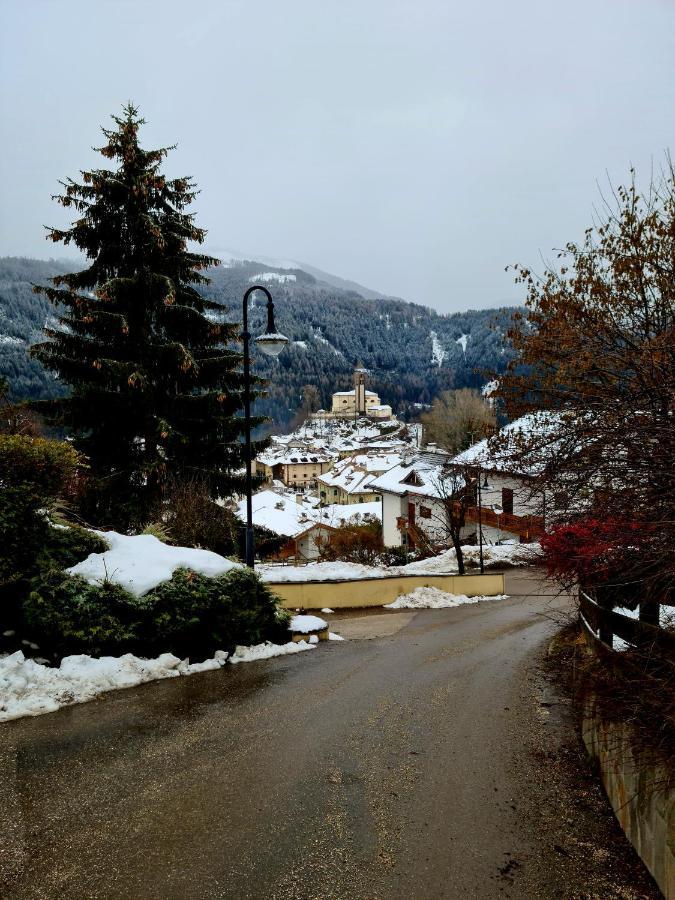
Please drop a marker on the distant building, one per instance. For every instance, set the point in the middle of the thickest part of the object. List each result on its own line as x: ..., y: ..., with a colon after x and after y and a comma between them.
x: 357, y: 403
x: 294, y: 467
x: 349, y: 480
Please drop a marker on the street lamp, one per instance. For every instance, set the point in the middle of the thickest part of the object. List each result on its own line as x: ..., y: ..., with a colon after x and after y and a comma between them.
x: 271, y: 343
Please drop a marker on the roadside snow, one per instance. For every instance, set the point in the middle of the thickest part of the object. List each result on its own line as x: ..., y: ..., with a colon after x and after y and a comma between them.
x: 327, y: 611
x: 28, y: 688
x: 267, y: 651
x: 141, y: 562
x: 305, y: 624
x: 432, y: 598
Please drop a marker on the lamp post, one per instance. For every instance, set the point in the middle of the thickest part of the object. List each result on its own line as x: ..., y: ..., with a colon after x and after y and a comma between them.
x: 271, y: 343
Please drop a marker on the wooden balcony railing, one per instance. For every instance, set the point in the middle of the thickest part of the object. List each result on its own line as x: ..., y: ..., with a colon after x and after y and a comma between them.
x: 527, y: 527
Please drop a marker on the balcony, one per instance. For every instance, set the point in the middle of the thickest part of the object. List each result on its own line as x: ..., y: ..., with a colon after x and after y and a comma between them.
x: 529, y: 528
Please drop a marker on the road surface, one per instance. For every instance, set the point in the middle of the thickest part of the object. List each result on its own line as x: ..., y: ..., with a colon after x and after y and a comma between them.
x: 424, y: 757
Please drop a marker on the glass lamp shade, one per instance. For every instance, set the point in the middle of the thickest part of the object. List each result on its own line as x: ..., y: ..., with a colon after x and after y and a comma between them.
x: 271, y: 344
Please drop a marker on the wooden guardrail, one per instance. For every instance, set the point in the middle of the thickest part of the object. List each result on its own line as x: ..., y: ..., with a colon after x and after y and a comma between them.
x: 607, y: 622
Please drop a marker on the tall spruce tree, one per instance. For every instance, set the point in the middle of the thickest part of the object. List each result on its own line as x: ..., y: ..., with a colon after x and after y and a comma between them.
x: 156, y: 383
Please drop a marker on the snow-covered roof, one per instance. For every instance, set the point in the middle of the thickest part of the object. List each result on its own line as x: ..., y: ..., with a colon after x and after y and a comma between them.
x: 426, y: 475
x: 351, y: 393
x: 293, y: 456
x: 504, y: 451
x: 282, y: 514
x: 354, y: 474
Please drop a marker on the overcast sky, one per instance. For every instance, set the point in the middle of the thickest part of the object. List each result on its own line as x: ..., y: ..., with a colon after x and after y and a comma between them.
x: 415, y: 146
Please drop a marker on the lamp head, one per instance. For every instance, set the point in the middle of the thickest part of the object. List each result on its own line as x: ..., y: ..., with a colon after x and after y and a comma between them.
x: 271, y: 343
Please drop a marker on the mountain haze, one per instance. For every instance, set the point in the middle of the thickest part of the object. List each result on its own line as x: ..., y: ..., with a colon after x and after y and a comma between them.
x: 411, y: 352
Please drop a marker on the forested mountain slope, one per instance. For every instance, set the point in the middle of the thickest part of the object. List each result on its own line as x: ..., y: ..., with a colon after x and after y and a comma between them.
x: 412, y: 352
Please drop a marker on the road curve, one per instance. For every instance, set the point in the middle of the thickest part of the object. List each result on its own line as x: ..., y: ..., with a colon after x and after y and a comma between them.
x: 409, y: 765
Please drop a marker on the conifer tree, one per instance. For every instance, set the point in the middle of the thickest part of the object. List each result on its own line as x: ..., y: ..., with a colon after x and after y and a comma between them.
x: 155, y: 377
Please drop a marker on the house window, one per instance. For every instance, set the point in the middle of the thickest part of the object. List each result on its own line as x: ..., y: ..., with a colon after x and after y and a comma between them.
x: 425, y: 512
x: 335, y: 492
x: 507, y: 501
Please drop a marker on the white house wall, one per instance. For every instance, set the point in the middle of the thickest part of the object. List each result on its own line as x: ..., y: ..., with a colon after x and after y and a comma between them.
x: 524, y: 504
x: 392, y: 509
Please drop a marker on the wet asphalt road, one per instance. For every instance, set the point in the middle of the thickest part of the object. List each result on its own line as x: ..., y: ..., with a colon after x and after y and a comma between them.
x: 391, y: 767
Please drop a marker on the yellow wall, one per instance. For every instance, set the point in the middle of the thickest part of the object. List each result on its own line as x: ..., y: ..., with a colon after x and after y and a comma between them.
x: 380, y: 591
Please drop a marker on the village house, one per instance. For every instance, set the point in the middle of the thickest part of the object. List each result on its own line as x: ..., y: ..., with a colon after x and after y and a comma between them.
x: 414, y: 494
x: 294, y: 467
x: 510, y: 504
x: 298, y: 519
x: 350, y: 479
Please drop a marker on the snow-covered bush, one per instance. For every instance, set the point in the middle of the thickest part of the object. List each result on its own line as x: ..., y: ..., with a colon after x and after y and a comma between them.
x: 190, y: 615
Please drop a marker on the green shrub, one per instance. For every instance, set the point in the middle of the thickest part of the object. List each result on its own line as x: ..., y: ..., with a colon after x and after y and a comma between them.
x: 65, y: 547
x: 33, y: 472
x: 68, y: 615
x: 192, y: 615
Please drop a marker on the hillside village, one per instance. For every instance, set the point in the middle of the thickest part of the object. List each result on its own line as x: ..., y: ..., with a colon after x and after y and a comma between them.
x: 309, y: 592
x: 358, y: 465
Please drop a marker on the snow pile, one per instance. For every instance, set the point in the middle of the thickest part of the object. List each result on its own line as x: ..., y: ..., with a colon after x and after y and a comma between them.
x: 432, y: 598
x: 493, y: 555
x: 267, y: 651
x: 140, y: 562
x: 305, y: 624
x: 327, y: 611
x: 28, y: 688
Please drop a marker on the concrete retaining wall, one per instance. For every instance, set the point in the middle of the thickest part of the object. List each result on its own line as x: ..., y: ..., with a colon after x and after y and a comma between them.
x: 379, y: 591
x: 638, y: 792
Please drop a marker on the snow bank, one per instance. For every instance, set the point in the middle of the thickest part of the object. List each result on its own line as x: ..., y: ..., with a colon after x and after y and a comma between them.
x: 432, y: 598
x: 141, y: 562
x: 28, y: 688
x: 305, y: 624
x: 268, y: 650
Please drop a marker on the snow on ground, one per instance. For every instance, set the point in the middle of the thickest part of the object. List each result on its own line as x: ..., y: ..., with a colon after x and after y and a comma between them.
x: 493, y: 555
x: 272, y: 276
x: 443, y: 564
x: 432, y: 598
x: 666, y: 614
x: 437, y: 351
x: 28, y: 688
x: 267, y: 651
x: 141, y: 562
x: 321, y: 571
x: 327, y: 611
x: 462, y: 341
x: 305, y: 624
